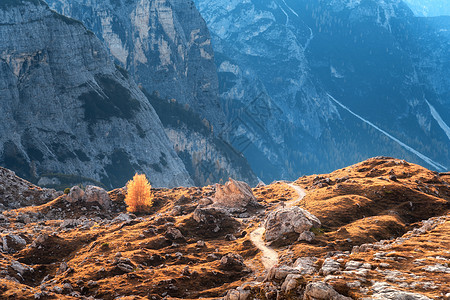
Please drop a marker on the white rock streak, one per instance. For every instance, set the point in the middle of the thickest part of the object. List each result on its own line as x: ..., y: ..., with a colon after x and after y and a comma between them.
x: 428, y: 160
x: 439, y: 120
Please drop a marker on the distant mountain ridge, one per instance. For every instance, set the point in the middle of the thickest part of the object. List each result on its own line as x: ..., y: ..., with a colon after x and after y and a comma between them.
x: 335, y: 81
x: 67, y: 109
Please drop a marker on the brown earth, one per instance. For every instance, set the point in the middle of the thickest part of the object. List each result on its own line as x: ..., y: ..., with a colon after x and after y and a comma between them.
x: 79, y: 250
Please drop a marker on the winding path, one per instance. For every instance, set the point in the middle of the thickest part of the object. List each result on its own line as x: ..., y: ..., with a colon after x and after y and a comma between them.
x: 270, y: 256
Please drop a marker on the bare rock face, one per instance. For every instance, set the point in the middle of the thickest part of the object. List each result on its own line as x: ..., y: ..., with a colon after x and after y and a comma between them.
x: 166, y: 47
x: 287, y: 224
x: 66, y: 108
x: 322, y: 291
x: 235, y: 196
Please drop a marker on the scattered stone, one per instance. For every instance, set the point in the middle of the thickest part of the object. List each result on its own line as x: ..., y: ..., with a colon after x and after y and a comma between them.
x: 437, y: 268
x: 279, y: 273
x: 330, y: 266
x: 322, y: 291
x: 20, y: 268
x: 292, y: 282
x: 383, y: 290
x: 306, y: 265
x: 232, y: 262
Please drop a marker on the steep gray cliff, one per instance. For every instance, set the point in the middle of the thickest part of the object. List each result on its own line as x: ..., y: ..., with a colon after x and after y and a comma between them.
x: 164, y: 45
x: 310, y: 86
x: 208, y: 159
x: 67, y: 109
x: 166, y: 48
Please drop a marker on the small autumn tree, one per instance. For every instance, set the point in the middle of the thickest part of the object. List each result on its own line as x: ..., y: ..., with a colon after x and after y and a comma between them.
x: 139, y: 196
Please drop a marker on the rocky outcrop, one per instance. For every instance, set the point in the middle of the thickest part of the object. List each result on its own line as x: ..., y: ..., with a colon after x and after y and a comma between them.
x: 67, y: 109
x: 288, y: 224
x: 16, y: 192
x: 235, y: 196
x: 90, y: 194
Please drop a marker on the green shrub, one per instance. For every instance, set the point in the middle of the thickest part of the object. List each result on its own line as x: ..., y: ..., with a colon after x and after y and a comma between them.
x: 66, y: 191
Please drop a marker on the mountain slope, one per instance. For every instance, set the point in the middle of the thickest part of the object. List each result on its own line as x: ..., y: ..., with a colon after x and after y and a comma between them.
x: 67, y: 109
x: 165, y: 46
x: 384, y: 234
x: 290, y: 64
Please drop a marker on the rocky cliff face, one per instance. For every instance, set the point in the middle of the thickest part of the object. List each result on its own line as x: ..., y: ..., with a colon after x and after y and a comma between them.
x: 207, y: 157
x: 310, y: 86
x: 166, y: 48
x: 67, y: 109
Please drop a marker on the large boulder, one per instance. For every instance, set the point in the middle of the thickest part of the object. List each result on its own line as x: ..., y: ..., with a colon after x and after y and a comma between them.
x: 76, y: 194
x: 97, y: 194
x: 235, y: 196
x: 287, y: 224
x: 90, y: 194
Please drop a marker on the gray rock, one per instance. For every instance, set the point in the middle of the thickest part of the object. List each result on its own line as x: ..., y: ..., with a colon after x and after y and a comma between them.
x: 306, y: 265
x: 384, y: 291
x: 235, y: 196
x: 214, y: 219
x: 20, y: 268
x: 306, y: 236
x: 16, y: 192
x: 232, y: 262
x: 292, y: 282
x: 12, y: 243
x: 322, y: 291
x: 279, y: 273
x: 97, y: 194
x: 329, y: 266
x: 64, y: 69
x: 76, y: 194
x: 237, y: 294
x: 169, y: 53
x: 286, y: 224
